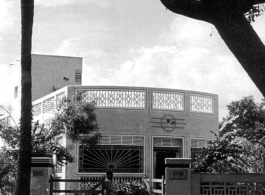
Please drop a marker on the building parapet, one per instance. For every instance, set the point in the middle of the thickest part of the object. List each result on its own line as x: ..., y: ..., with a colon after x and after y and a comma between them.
x: 132, y: 98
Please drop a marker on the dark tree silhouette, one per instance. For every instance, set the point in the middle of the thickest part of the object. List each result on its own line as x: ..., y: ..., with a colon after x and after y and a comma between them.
x: 232, y: 20
x: 24, y: 160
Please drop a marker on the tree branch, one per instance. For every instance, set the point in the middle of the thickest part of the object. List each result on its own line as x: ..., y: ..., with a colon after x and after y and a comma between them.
x: 255, y: 2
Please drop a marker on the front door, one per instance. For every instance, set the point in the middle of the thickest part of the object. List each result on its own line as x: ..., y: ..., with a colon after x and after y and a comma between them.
x: 160, y: 154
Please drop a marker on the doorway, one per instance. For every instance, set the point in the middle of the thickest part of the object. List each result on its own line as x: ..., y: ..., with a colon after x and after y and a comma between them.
x: 160, y: 154
x: 165, y: 147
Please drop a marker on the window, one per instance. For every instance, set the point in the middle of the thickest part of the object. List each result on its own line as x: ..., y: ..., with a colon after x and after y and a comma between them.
x: 78, y: 75
x: 16, y: 92
x: 121, y: 154
x: 197, y: 145
x: 118, y: 158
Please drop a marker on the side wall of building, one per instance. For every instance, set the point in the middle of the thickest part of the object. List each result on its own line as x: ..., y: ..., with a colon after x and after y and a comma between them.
x: 50, y: 73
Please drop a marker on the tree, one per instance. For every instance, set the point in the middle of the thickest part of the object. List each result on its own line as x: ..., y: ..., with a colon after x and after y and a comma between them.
x: 24, y: 159
x: 229, y: 154
x: 77, y: 123
x: 232, y: 20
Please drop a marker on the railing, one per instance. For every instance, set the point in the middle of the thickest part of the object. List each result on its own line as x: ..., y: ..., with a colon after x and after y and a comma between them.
x: 117, y: 181
x: 229, y: 184
x: 94, y: 185
x: 98, y: 188
x: 132, y: 99
x: 161, y: 185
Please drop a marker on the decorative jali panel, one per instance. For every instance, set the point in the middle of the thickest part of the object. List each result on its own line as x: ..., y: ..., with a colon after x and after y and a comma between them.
x: 59, y: 98
x: 168, y: 101
x: 36, y: 109
x: 117, y: 182
x: 133, y: 99
x: 232, y: 188
x: 201, y: 104
x: 48, y: 105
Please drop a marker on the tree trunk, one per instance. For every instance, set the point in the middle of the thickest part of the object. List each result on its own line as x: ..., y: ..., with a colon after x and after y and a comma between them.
x: 24, y: 160
x: 228, y: 18
x: 245, y: 44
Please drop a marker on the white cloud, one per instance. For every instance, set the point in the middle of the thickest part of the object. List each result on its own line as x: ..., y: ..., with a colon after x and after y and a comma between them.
x: 188, y: 32
x: 192, y: 60
x: 6, y: 18
x: 68, y: 48
x: 5, y: 84
x: 54, y: 3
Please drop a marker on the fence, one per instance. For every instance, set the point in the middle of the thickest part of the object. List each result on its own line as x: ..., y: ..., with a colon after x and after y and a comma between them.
x: 97, y: 188
x: 181, y: 180
x: 228, y: 184
x: 161, y: 185
x: 94, y: 185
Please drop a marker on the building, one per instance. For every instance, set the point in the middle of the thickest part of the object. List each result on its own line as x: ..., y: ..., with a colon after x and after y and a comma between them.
x: 140, y: 127
x: 49, y: 73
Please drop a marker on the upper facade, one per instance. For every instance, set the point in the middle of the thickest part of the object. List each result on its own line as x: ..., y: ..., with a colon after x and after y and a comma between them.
x: 49, y: 73
x: 143, y: 111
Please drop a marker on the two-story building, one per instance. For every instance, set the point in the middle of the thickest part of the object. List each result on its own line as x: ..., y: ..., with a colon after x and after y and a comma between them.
x: 140, y: 126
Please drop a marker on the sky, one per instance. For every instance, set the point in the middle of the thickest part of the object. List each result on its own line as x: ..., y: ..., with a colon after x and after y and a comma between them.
x: 129, y: 43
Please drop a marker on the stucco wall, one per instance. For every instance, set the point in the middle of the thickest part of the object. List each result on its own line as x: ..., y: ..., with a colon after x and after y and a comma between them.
x: 150, y: 123
x: 48, y: 73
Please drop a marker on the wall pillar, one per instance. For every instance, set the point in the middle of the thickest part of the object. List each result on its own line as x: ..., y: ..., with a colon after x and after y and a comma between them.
x: 178, y: 176
x: 41, y: 169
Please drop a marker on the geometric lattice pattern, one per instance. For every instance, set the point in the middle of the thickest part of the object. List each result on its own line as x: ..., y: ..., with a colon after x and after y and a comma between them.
x: 36, y: 110
x: 201, y: 104
x: 133, y: 99
x: 168, y: 101
x: 121, y: 153
x: 116, y: 182
x: 228, y: 188
x: 48, y: 105
x: 60, y: 96
x: 118, y: 158
x: 59, y: 100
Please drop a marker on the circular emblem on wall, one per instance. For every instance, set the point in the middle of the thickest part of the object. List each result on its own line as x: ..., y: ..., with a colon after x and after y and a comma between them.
x: 168, y: 123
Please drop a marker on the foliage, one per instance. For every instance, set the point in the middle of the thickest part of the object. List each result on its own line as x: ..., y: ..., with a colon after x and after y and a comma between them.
x: 249, y: 122
x: 255, y: 11
x: 133, y: 188
x: 76, y: 123
x: 240, y: 148
x: 227, y: 155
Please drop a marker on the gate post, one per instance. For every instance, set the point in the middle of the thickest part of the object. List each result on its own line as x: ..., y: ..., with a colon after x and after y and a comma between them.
x: 41, y: 168
x: 51, y: 185
x: 178, y: 176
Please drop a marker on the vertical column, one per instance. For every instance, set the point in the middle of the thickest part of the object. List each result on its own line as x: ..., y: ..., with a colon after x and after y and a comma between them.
x: 178, y: 176
x: 41, y: 168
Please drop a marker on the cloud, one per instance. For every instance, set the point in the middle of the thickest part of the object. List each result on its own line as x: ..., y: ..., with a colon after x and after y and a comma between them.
x: 5, y: 86
x: 68, y: 47
x: 7, y: 19
x: 194, y: 57
x: 189, y: 32
x: 54, y: 3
